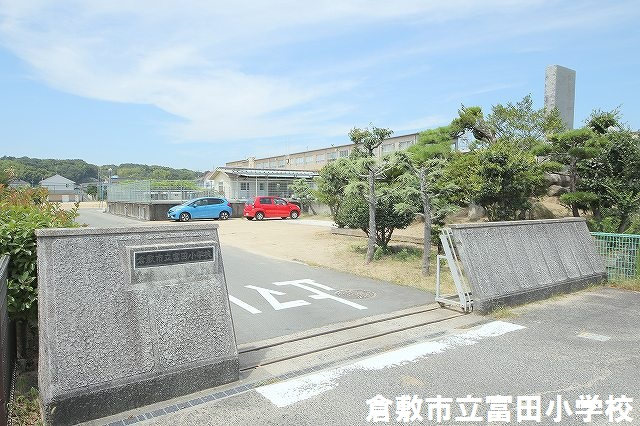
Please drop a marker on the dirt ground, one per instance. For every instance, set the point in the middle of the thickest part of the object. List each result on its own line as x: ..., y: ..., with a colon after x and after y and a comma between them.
x: 315, y: 245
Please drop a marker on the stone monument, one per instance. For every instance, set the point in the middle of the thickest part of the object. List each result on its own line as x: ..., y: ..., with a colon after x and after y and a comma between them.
x: 560, y: 92
x: 129, y: 317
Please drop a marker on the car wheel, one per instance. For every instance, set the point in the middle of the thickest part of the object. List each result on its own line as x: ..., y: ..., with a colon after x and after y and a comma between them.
x: 224, y: 215
x: 294, y: 214
x: 185, y: 217
x: 259, y: 216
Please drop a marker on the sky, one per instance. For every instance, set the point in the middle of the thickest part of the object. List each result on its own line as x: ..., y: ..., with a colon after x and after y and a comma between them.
x: 196, y: 84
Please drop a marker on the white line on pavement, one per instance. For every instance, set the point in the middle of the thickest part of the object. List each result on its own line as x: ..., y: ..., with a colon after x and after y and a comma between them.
x: 268, y: 296
x: 298, y: 389
x: 244, y: 305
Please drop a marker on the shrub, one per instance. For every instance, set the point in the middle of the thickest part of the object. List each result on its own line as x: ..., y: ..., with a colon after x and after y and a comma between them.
x: 22, y: 211
x: 354, y: 213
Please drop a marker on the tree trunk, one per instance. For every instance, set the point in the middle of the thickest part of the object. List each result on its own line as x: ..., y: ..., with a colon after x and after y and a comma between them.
x: 371, y: 245
x: 426, y: 210
x: 624, y: 224
x: 572, y: 185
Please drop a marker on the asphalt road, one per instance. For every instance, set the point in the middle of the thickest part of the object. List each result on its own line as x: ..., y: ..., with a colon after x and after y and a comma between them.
x: 583, y: 346
x: 272, y: 298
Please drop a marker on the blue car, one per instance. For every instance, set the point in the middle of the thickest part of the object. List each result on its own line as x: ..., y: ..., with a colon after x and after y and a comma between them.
x: 201, y: 208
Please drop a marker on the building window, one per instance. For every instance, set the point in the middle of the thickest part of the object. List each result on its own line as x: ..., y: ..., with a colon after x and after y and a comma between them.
x: 309, y: 159
x: 280, y: 163
x: 387, y: 148
x: 344, y: 153
x: 261, y: 186
x: 300, y: 160
x: 319, y: 158
x: 332, y: 156
x: 244, y: 186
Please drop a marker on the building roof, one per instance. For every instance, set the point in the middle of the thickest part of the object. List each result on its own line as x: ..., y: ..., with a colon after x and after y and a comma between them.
x: 57, y: 178
x: 18, y: 182
x: 279, y: 173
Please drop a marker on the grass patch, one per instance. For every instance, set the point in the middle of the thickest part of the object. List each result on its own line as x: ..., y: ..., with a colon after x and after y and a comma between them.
x: 630, y: 284
x: 395, y: 252
x: 502, y: 312
x: 25, y: 408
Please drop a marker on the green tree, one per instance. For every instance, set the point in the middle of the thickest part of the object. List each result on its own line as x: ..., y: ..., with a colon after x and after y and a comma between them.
x: 602, y: 122
x: 501, y: 178
x: 518, y: 123
x: 425, y: 163
x: 366, y: 141
x: 522, y: 124
x: 92, y: 190
x: 6, y: 175
x: 569, y: 149
x: 614, y: 176
x: 331, y: 182
x: 355, y: 214
x: 301, y: 189
x: 471, y: 119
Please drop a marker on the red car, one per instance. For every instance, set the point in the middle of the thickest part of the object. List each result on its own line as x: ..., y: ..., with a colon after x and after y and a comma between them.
x: 271, y: 207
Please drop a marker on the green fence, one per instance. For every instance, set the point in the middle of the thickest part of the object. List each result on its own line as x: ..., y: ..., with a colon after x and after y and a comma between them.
x: 621, y: 254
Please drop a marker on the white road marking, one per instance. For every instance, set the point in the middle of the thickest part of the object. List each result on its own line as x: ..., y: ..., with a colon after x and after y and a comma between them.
x: 304, y: 284
x: 243, y: 305
x: 592, y: 336
x: 298, y: 389
x: 268, y: 295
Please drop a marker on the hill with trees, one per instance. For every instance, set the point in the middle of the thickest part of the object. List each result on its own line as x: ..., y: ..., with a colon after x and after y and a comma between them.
x: 33, y: 170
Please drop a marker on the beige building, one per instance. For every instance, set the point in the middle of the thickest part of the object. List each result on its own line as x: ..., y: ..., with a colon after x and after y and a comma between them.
x: 315, y: 159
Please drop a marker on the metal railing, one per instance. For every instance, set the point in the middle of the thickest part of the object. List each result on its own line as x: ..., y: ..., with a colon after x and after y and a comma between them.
x: 621, y: 254
x: 463, y: 297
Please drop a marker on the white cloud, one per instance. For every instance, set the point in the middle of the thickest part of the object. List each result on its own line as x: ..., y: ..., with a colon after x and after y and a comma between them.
x: 197, y: 60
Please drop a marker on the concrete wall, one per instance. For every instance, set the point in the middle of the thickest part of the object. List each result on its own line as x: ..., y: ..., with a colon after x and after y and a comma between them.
x: 510, y: 263
x: 319, y: 209
x: 118, y: 333
x: 156, y: 210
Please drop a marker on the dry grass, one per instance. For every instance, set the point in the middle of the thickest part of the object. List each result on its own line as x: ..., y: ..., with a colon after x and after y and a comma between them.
x: 502, y: 312
x: 315, y: 245
x: 632, y: 284
x: 25, y: 408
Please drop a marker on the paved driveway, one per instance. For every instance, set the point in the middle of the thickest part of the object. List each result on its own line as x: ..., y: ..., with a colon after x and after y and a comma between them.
x: 272, y: 298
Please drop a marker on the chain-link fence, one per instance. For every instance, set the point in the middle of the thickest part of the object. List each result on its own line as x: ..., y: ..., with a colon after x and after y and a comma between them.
x: 146, y: 191
x: 621, y: 254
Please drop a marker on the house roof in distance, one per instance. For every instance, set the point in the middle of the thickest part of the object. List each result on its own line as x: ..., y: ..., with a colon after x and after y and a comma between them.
x: 56, y: 178
x: 276, y: 173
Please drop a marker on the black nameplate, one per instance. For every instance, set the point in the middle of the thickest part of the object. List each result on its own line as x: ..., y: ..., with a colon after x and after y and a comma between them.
x: 147, y: 259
